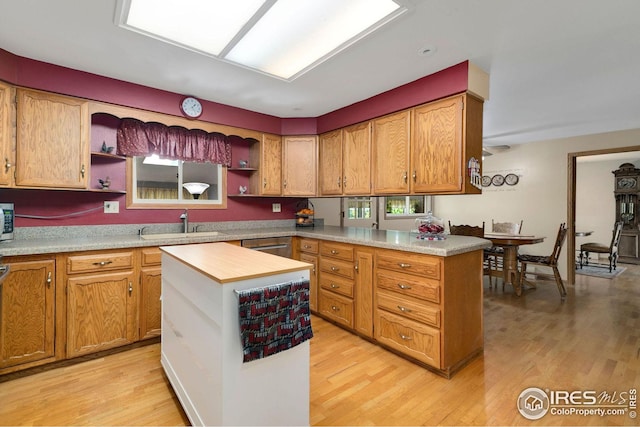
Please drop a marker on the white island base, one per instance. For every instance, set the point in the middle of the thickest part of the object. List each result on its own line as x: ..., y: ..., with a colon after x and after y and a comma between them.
x: 201, y: 346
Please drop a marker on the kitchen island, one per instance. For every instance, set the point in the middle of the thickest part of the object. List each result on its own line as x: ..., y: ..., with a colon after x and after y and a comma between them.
x: 202, y: 353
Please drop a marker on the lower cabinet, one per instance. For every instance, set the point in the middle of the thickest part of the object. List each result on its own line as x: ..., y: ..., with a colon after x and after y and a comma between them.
x: 150, y: 307
x: 27, y: 312
x: 102, y: 301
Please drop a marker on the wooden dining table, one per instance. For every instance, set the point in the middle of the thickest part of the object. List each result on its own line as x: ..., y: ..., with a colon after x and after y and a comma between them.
x: 510, y: 243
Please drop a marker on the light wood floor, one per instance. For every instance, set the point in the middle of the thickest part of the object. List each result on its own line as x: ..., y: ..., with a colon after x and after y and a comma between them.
x: 591, y: 342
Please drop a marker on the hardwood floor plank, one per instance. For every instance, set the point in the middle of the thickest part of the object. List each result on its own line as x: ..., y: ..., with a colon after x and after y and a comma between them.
x: 592, y: 341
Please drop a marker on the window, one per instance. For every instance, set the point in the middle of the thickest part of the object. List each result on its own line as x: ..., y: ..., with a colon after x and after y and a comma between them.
x: 158, y: 183
x: 406, y: 206
x: 358, y: 208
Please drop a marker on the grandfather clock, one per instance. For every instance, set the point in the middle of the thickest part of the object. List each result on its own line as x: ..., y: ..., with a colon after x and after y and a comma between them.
x: 626, y: 191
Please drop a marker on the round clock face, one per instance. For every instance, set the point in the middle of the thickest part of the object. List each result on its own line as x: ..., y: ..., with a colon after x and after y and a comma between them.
x: 497, y: 180
x: 191, y: 107
x: 627, y: 183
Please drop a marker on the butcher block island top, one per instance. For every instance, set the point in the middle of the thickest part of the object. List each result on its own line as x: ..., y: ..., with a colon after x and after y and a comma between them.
x: 224, y: 262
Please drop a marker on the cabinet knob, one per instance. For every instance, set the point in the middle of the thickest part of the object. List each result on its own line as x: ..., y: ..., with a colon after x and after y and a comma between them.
x: 264, y: 183
x: 404, y: 177
x: 414, y: 176
x: 82, y: 171
x: 130, y: 288
x: 404, y: 309
x: 344, y: 182
x: 338, y: 182
x: 7, y: 164
x: 335, y: 269
x: 334, y: 252
x: 48, y: 281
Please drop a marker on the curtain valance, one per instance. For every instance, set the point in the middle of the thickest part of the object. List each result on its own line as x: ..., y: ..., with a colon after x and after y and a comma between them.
x: 137, y: 138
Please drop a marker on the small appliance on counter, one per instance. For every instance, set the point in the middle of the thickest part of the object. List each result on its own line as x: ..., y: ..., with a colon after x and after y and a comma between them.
x: 7, y: 216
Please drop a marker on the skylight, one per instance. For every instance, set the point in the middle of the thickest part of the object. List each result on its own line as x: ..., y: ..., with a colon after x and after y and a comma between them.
x: 281, y: 38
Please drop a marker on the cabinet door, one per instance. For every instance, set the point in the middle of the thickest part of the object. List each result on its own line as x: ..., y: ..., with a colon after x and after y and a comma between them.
x: 331, y: 163
x: 52, y: 141
x: 150, y: 304
x: 300, y: 165
x: 270, y: 182
x: 313, y: 280
x: 357, y: 159
x: 6, y: 134
x: 364, y: 292
x: 391, y: 154
x: 27, y: 321
x: 436, y: 141
x: 101, y: 312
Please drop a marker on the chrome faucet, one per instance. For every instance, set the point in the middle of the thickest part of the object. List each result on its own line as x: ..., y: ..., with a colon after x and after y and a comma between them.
x: 185, y: 221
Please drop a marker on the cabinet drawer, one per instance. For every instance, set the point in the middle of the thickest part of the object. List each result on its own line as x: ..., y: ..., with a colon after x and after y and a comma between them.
x: 411, y: 338
x: 151, y: 256
x: 308, y: 246
x: 409, y: 285
x: 406, y: 262
x: 340, y: 268
x: 336, y: 307
x: 337, y: 284
x: 337, y: 250
x: 99, y: 262
x: 409, y: 308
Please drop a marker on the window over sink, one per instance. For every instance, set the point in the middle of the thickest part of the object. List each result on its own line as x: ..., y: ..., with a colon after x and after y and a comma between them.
x: 163, y: 183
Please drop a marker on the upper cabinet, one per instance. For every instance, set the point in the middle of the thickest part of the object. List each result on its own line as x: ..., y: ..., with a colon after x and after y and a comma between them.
x: 299, y: 165
x: 52, y: 137
x: 7, y: 118
x: 268, y: 155
x: 391, y: 153
x: 442, y: 142
x: 345, y: 161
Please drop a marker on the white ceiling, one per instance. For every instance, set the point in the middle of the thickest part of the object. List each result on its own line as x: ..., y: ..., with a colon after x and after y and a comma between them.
x: 557, y: 68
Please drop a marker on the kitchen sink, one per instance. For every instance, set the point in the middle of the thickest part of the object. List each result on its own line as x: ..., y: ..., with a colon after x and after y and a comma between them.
x: 161, y: 236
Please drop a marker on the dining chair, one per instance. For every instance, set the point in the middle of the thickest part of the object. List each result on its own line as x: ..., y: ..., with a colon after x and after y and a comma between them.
x: 611, y: 250
x: 475, y: 231
x: 496, y: 252
x: 546, y: 261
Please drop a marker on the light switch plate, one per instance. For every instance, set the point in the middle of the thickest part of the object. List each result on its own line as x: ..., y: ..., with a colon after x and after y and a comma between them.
x: 276, y: 207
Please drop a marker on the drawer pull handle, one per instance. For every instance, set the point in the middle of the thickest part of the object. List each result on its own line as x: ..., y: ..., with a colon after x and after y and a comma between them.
x: 334, y: 252
x: 335, y: 308
x: 404, y: 309
x: 49, y: 279
x: 404, y: 265
x: 334, y: 286
x: 403, y: 286
x: 102, y: 263
x: 335, y: 269
x: 307, y: 247
x: 405, y: 337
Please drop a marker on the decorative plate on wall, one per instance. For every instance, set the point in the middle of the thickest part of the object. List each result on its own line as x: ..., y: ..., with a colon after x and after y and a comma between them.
x: 497, y: 180
x: 486, y: 181
x: 511, y: 179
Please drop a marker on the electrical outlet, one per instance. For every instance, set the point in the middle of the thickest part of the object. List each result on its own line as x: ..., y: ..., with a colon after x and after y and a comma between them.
x: 276, y: 207
x: 111, y: 207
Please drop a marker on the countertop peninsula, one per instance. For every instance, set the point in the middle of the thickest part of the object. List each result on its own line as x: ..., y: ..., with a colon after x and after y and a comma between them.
x: 85, y: 238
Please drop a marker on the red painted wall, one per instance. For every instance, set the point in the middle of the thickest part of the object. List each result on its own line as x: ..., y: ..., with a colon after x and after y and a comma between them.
x: 58, y: 204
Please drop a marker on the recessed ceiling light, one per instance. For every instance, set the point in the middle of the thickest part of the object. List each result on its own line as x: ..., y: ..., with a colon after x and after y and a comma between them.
x: 282, y: 38
x: 427, y: 50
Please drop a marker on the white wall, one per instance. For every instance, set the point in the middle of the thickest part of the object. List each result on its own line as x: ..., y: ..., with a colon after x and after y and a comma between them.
x: 540, y: 197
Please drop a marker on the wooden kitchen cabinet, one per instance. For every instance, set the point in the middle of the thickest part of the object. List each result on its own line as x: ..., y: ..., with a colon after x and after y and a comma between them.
x: 345, y: 161
x: 445, y: 134
x: 363, y: 322
x: 390, y: 153
x: 429, y: 308
x: 102, y: 301
x: 266, y: 156
x: 307, y: 251
x: 7, y: 141
x: 52, y: 140
x: 150, y: 308
x: 299, y: 165
x: 27, y: 313
x: 336, y: 283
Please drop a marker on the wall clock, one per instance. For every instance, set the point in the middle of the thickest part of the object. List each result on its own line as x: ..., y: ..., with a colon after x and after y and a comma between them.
x: 191, y: 107
x: 626, y: 183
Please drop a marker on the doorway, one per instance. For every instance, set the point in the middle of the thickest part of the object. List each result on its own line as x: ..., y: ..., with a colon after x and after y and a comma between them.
x: 571, y: 202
